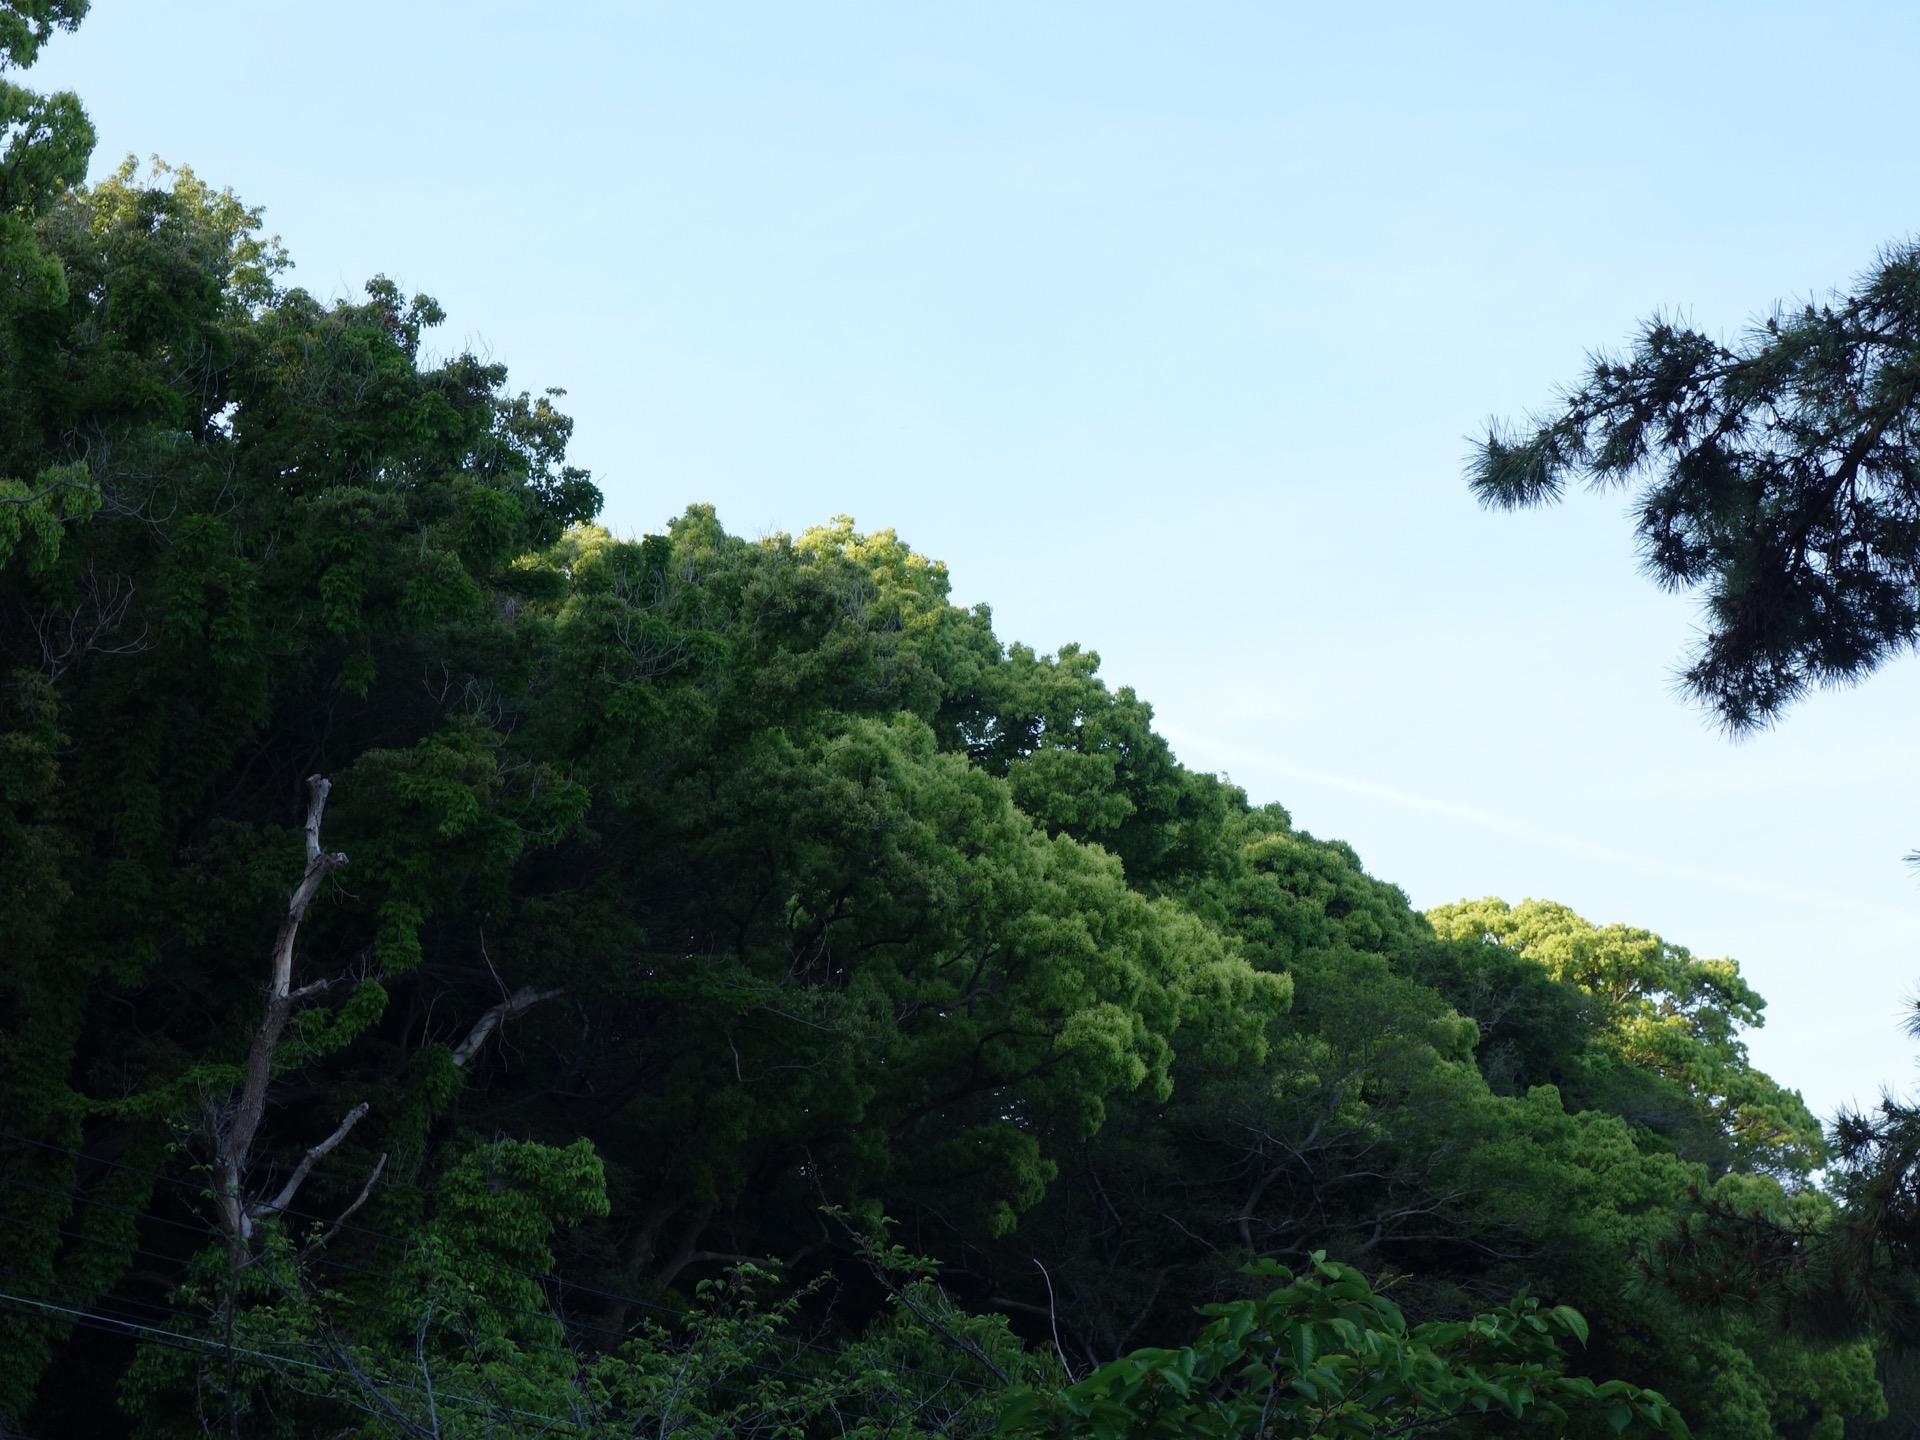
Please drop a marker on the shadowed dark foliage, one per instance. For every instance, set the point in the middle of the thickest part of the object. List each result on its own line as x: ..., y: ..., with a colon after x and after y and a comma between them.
x: 1779, y: 476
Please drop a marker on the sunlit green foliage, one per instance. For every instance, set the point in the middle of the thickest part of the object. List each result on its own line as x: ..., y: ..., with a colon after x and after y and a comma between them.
x: 708, y: 905
x: 1668, y: 1050
x: 1325, y: 1355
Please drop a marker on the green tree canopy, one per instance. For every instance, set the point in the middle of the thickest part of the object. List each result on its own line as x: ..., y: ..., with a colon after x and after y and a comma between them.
x: 1324, y: 1354
x: 1664, y: 1017
x: 469, y: 972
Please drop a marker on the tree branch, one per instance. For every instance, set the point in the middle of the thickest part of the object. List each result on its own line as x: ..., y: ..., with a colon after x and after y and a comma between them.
x: 320, y: 864
x: 53, y: 488
x: 348, y: 1213
x: 234, y: 1132
x: 260, y: 1210
x: 525, y: 998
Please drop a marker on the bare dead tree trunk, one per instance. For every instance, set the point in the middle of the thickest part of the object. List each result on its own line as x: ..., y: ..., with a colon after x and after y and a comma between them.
x: 236, y: 1126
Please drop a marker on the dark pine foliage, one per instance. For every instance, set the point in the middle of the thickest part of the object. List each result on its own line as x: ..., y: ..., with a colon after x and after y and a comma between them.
x: 1779, y: 475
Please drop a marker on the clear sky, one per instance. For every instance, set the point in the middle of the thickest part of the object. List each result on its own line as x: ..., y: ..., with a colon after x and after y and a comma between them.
x: 1166, y: 326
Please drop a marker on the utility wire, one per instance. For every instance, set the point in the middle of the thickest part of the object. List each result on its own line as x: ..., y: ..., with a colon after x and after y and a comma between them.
x: 498, y: 1266
x: 204, y: 1345
x: 100, y: 1317
x: 200, y: 1345
x: 176, y: 1314
x: 945, y: 1379
x: 408, y: 1320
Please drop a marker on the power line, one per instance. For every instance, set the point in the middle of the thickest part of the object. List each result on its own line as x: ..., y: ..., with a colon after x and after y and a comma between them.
x: 204, y: 1345
x: 124, y: 1322
x: 129, y: 1319
x: 358, y: 1302
x: 178, y: 1313
x: 103, y: 1318
x: 494, y: 1265
x: 201, y: 1344
x: 498, y: 1266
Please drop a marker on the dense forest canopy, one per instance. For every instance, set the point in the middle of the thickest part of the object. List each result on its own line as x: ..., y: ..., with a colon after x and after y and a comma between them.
x: 470, y: 973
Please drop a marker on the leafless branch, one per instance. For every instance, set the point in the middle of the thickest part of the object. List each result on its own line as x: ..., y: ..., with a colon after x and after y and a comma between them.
x: 351, y: 1210
x: 523, y: 999
x: 1053, y: 1317
x: 235, y: 1130
x: 261, y: 1209
x: 84, y: 628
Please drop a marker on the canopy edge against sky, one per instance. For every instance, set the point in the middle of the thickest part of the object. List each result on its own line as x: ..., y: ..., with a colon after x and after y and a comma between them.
x: 1167, y: 328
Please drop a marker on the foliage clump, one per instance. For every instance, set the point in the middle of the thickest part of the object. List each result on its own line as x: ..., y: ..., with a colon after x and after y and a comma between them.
x: 686, y: 911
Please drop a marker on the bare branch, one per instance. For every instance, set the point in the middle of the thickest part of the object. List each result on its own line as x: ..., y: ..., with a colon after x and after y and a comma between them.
x: 1053, y: 1319
x: 351, y: 1210
x: 67, y: 634
x: 260, y: 1210
x: 320, y: 864
x: 234, y: 1131
x: 523, y: 999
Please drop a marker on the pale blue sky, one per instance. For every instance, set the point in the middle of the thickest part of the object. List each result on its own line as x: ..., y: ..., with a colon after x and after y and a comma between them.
x: 1166, y: 326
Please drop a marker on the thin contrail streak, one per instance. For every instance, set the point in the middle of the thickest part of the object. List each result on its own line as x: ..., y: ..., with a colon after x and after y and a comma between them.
x: 1568, y: 844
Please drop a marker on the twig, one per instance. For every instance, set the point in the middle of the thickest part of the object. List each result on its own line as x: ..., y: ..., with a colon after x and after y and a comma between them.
x: 1053, y: 1319
x: 877, y: 1264
x: 348, y: 1213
